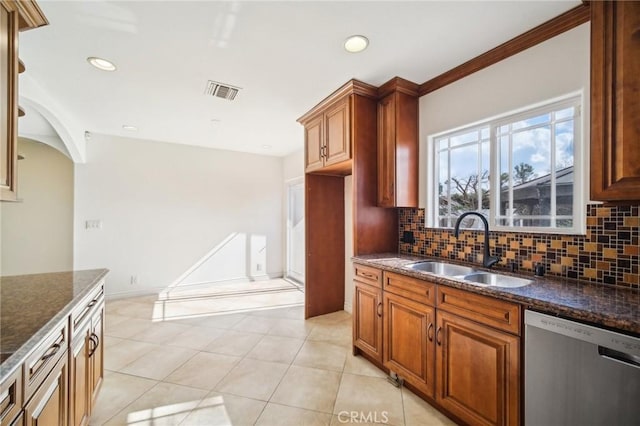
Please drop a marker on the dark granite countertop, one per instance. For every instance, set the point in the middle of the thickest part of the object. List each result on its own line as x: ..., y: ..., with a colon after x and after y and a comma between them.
x: 31, y: 305
x: 605, y: 305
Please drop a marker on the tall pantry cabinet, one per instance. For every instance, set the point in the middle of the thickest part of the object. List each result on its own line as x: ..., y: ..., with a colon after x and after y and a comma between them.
x: 341, y: 140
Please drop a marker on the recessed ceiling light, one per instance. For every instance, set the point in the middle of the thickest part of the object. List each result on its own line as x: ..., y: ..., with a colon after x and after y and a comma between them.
x: 266, y: 146
x: 356, y: 43
x: 130, y: 128
x: 101, y: 64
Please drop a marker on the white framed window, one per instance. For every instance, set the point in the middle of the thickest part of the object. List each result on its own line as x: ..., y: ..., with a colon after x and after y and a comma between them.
x: 522, y: 171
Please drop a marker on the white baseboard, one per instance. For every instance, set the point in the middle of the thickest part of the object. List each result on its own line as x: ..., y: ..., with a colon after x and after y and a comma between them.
x: 348, y: 307
x: 153, y: 291
x: 148, y: 291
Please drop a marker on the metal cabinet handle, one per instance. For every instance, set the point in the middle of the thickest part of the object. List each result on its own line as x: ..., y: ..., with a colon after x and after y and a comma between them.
x: 367, y: 275
x: 430, y: 332
x: 93, y: 338
x: 46, y: 356
x: 379, y: 309
x: 92, y: 345
x: 438, y: 341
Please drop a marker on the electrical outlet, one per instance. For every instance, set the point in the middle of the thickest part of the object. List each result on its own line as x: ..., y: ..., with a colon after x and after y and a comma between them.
x: 93, y: 224
x: 134, y: 280
x: 259, y: 267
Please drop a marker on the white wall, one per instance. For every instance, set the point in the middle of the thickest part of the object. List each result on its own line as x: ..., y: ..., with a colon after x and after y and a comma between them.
x: 37, y: 232
x: 293, y: 165
x: 554, y: 68
x: 165, y: 207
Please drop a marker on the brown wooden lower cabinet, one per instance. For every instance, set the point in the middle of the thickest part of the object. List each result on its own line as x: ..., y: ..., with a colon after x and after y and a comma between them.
x: 460, y: 349
x: 86, y: 369
x: 367, y: 320
x: 79, y: 379
x: 97, y: 354
x: 48, y: 406
x: 478, y: 371
x: 409, y: 330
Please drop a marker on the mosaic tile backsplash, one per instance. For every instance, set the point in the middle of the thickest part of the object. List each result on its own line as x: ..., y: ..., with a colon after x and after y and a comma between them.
x: 608, y: 254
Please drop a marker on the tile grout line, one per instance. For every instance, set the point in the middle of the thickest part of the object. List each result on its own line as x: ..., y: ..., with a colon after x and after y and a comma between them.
x: 267, y: 333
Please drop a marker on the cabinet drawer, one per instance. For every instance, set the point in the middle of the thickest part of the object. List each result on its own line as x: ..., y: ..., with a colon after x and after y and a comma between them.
x: 485, y: 310
x: 85, y: 308
x: 368, y: 275
x: 11, y: 397
x: 42, y: 360
x: 411, y: 288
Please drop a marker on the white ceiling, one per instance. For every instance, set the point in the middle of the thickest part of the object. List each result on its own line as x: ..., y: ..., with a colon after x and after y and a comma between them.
x: 286, y: 57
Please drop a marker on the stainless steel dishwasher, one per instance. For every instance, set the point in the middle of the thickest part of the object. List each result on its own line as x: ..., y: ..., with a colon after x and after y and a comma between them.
x: 577, y: 374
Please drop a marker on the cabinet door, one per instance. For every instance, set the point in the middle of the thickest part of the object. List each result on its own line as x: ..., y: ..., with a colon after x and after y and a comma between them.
x: 9, y: 104
x: 478, y: 371
x: 386, y: 151
x: 615, y: 104
x: 313, y: 154
x: 96, y: 354
x: 79, y: 370
x: 367, y: 319
x: 48, y: 407
x: 338, y: 132
x: 409, y: 330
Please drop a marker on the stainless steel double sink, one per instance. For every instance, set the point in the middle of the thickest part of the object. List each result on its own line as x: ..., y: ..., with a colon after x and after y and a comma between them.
x: 468, y: 274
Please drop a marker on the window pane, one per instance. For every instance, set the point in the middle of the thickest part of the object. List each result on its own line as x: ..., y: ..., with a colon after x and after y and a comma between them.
x: 564, y: 113
x: 505, y: 176
x: 564, y: 144
x: 484, y: 182
x: 443, y: 184
x: 442, y: 143
x: 502, y: 222
x: 528, y: 222
x: 532, y: 147
x: 564, y: 192
x: 484, y: 134
x: 540, y: 119
x: 464, y: 138
x: 464, y: 179
x: 564, y: 223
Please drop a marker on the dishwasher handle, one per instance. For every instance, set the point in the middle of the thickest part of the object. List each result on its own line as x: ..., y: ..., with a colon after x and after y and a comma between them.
x: 621, y: 357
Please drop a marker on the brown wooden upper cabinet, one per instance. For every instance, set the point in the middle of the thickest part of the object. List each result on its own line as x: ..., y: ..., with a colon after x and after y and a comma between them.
x: 615, y: 101
x: 398, y: 144
x: 328, y: 130
x: 14, y: 16
x: 328, y: 138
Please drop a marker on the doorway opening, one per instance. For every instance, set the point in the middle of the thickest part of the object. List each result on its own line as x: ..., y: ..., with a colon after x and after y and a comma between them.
x: 295, y: 232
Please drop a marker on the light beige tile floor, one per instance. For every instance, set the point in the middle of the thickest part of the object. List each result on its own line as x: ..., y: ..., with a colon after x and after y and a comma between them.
x: 242, y: 367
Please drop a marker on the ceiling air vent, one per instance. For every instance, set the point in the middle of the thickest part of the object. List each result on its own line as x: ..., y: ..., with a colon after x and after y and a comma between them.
x: 221, y: 90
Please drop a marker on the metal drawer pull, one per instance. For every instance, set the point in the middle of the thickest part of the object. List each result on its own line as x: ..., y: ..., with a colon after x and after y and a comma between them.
x: 46, y: 356
x: 430, y: 332
x: 367, y: 275
x: 438, y: 341
x: 379, y: 309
